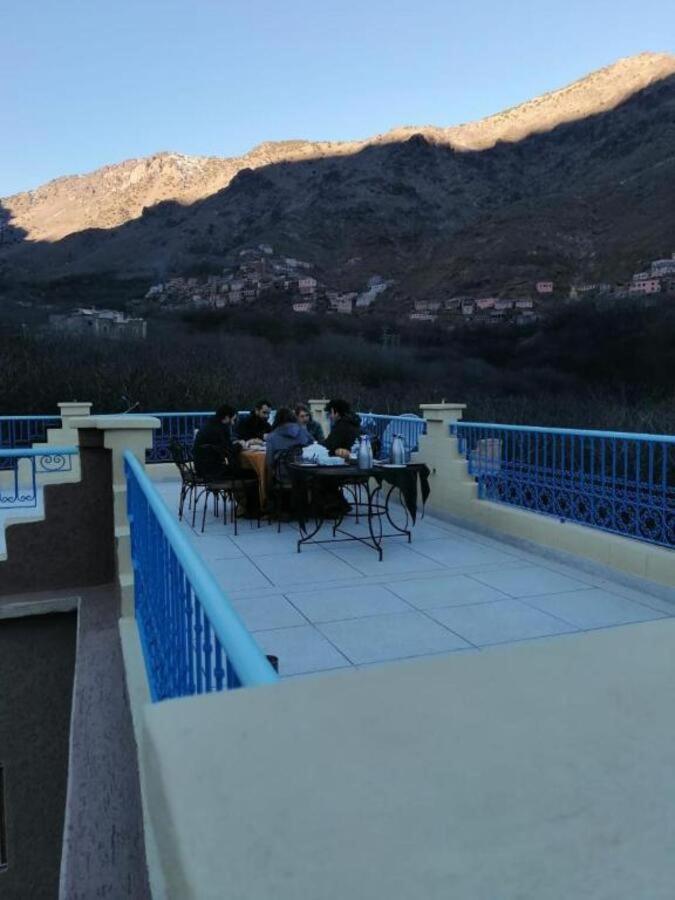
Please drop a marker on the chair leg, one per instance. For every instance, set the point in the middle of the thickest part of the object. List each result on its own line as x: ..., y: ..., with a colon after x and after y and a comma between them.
x: 195, y: 504
x: 206, y: 505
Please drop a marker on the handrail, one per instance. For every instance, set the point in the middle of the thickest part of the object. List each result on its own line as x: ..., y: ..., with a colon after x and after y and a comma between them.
x: 250, y: 664
x: 40, y: 451
x: 55, y: 418
x: 539, y: 429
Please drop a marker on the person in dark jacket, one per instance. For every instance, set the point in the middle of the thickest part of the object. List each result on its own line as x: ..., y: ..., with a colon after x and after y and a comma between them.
x: 345, y: 428
x: 287, y: 434
x: 304, y: 417
x: 216, y: 455
x: 256, y: 426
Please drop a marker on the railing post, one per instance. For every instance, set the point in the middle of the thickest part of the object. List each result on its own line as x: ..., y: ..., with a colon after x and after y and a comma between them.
x: 451, y: 486
x: 318, y: 411
x: 120, y: 433
x: 65, y: 436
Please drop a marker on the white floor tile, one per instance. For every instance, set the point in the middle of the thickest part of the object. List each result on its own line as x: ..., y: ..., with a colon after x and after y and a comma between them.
x: 267, y: 611
x: 529, y: 581
x: 305, y: 568
x: 594, y: 608
x: 445, y: 590
x: 500, y: 622
x: 397, y: 558
x: 237, y: 574
x: 394, y: 636
x: 300, y: 650
x: 332, y: 604
x: 458, y: 553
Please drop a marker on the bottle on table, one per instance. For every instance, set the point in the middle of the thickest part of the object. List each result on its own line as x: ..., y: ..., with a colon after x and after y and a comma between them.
x: 365, y: 454
x: 398, y: 454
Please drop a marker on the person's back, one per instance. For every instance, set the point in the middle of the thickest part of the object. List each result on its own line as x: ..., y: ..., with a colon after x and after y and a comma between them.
x: 212, y: 445
x: 282, y: 439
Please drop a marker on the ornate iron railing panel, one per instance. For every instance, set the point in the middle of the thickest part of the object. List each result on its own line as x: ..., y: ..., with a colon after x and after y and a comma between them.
x: 193, y: 641
x: 23, y: 431
x: 179, y: 427
x: 617, y: 481
x: 19, y: 470
x: 408, y: 426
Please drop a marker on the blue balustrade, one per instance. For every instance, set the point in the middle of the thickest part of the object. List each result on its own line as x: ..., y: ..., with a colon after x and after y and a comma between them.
x: 23, y: 431
x: 409, y: 426
x: 19, y: 470
x: 178, y: 427
x: 617, y: 481
x: 193, y: 641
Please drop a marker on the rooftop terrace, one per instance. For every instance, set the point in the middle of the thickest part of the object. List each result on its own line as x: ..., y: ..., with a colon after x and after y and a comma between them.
x: 452, y: 589
x: 482, y: 713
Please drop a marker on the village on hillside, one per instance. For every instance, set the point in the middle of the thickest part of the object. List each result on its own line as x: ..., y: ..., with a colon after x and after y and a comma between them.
x: 258, y: 275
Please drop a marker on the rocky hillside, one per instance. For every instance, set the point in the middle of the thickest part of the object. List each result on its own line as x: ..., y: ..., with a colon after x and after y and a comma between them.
x: 577, y: 181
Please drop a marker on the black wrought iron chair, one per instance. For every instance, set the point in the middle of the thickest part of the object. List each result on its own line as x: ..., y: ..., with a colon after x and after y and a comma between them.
x: 181, y: 454
x: 280, y: 489
x: 224, y: 488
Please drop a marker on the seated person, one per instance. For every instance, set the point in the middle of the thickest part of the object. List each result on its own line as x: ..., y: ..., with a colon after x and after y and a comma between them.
x: 304, y: 417
x: 216, y: 459
x: 287, y: 434
x: 345, y: 428
x: 256, y: 426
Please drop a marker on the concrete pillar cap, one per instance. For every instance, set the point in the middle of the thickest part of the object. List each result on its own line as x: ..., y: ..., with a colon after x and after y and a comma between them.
x: 74, y: 408
x: 117, y: 423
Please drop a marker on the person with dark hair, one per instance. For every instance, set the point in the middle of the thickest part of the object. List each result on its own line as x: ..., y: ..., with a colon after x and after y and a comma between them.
x: 304, y: 417
x: 216, y: 458
x: 256, y: 426
x: 286, y: 435
x: 345, y: 428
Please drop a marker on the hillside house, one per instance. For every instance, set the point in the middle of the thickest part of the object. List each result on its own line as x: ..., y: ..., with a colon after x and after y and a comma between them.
x: 503, y: 305
x: 342, y: 303
x: 306, y: 306
x: 485, y: 303
x: 422, y: 317
x: 307, y: 285
x: 468, y: 307
x: 644, y: 283
x: 662, y: 267
x: 524, y: 304
x: 544, y: 287
x: 427, y: 305
x: 108, y: 323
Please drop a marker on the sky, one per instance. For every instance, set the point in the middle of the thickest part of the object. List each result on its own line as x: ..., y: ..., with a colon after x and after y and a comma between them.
x: 86, y: 83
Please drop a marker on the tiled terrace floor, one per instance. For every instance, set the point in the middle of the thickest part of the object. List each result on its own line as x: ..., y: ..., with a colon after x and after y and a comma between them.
x: 451, y: 590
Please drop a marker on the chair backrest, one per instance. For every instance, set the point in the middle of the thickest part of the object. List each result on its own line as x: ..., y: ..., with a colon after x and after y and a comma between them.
x: 280, y: 463
x: 182, y: 457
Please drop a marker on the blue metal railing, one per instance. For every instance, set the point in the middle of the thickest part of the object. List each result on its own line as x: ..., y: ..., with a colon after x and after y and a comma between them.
x: 408, y: 426
x: 617, y: 481
x: 24, y: 431
x: 193, y: 641
x: 19, y: 469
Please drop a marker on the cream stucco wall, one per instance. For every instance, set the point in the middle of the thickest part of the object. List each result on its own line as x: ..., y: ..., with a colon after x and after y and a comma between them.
x: 540, y: 770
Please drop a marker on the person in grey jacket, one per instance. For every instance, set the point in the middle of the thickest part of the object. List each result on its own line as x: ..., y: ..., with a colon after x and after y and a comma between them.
x: 314, y: 429
x: 286, y: 435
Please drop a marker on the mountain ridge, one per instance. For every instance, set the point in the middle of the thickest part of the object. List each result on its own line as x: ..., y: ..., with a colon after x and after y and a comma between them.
x: 591, y: 187
x: 73, y: 203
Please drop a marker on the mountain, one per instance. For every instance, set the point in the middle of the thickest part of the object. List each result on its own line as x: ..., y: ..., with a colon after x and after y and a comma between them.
x: 579, y: 181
